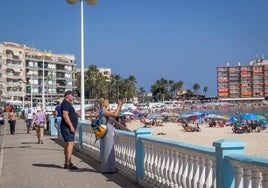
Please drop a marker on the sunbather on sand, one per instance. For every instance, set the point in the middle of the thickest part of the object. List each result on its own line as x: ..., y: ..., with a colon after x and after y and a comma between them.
x: 145, y: 123
x: 189, y: 128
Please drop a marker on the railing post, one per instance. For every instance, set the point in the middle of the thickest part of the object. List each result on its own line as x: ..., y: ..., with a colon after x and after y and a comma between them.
x: 52, y: 129
x: 58, y: 125
x: 141, y: 132
x: 224, y: 170
x: 80, y: 132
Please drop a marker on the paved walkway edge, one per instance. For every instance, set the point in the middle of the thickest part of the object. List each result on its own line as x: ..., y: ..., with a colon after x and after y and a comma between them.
x: 2, y: 132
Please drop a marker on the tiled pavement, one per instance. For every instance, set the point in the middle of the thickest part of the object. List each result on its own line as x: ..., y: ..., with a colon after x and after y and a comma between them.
x: 26, y: 164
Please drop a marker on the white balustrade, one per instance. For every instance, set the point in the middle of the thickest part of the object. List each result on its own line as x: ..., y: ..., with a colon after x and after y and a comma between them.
x: 169, y: 166
x: 248, y: 174
x: 178, y: 165
x: 124, y: 151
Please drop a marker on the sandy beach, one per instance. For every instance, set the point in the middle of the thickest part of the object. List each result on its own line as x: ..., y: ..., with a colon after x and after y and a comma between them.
x: 256, y: 141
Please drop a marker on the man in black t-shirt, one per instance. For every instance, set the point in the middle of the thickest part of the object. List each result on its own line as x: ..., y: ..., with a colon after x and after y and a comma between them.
x: 68, y: 127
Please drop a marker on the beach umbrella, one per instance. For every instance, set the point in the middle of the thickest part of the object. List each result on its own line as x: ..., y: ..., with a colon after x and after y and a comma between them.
x: 210, y: 115
x: 261, y: 117
x: 250, y: 116
x: 233, y: 119
x: 197, y: 114
x: 184, y: 115
x: 153, y: 116
x: 127, y: 113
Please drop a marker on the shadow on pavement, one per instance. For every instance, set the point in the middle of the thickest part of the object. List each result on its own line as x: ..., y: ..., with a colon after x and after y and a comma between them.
x: 95, y: 165
x: 47, y: 165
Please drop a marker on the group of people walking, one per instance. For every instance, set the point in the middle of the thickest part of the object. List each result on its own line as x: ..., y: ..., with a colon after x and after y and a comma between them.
x: 33, y: 119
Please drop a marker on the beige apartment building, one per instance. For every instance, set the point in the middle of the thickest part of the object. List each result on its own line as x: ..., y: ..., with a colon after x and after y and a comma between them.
x: 238, y: 82
x: 26, y: 71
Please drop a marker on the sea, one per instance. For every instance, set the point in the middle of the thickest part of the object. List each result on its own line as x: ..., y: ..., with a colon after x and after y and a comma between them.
x: 237, y: 110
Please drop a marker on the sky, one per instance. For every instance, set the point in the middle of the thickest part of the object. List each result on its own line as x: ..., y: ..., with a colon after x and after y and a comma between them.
x: 180, y: 40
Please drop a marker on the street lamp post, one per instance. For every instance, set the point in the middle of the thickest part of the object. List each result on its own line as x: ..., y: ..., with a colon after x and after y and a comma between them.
x: 43, y: 85
x: 31, y: 90
x: 22, y: 83
x: 31, y: 73
x: 90, y: 2
x: 43, y: 78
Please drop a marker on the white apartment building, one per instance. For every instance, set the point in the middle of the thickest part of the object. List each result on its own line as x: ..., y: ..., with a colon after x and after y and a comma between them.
x: 106, y: 72
x: 26, y: 71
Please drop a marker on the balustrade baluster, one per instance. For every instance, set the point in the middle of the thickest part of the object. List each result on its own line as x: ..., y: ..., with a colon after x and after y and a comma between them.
x: 175, y: 173
x: 190, y: 170
x: 195, y: 178
x: 167, y: 152
x: 238, y: 173
x: 256, y: 178
x: 153, y: 148
x: 184, y: 170
x: 264, y: 178
x: 247, y: 178
x: 150, y: 164
x: 214, y: 182
x: 120, y: 153
x: 145, y: 167
x: 116, y: 145
x: 156, y: 165
x: 123, y: 153
x: 132, y: 154
x: 127, y: 155
x: 159, y: 164
x: 202, y: 173
x: 171, y: 168
x: 180, y: 170
x: 163, y: 181
x: 208, y: 181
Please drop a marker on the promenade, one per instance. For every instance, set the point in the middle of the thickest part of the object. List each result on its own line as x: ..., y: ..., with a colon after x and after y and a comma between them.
x: 26, y: 164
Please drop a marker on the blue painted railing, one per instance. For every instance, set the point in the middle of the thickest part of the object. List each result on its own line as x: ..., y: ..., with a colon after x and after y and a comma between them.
x: 156, y: 162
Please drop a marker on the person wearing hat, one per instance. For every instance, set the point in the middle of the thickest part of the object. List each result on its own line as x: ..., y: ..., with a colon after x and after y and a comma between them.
x: 40, y: 120
x: 68, y: 127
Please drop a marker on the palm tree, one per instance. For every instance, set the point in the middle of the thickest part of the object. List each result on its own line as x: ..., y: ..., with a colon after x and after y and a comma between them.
x: 92, y: 78
x: 131, y: 80
x: 180, y: 85
x: 141, y: 94
x: 205, y: 89
x: 115, y: 87
x: 196, y: 87
x: 171, y: 88
x: 160, y: 89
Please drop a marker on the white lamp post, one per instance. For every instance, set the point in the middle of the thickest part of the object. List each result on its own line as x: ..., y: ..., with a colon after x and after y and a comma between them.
x: 90, y: 2
x: 43, y: 78
x: 22, y: 83
x: 43, y: 85
x: 31, y: 73
x: 31, y: 90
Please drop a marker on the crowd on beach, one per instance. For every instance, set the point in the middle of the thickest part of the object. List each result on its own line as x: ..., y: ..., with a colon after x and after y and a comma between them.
x: 191, y: 116
x: 158, y: 114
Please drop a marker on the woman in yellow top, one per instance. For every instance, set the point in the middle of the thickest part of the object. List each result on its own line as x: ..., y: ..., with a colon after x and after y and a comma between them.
x: 12, y: 117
